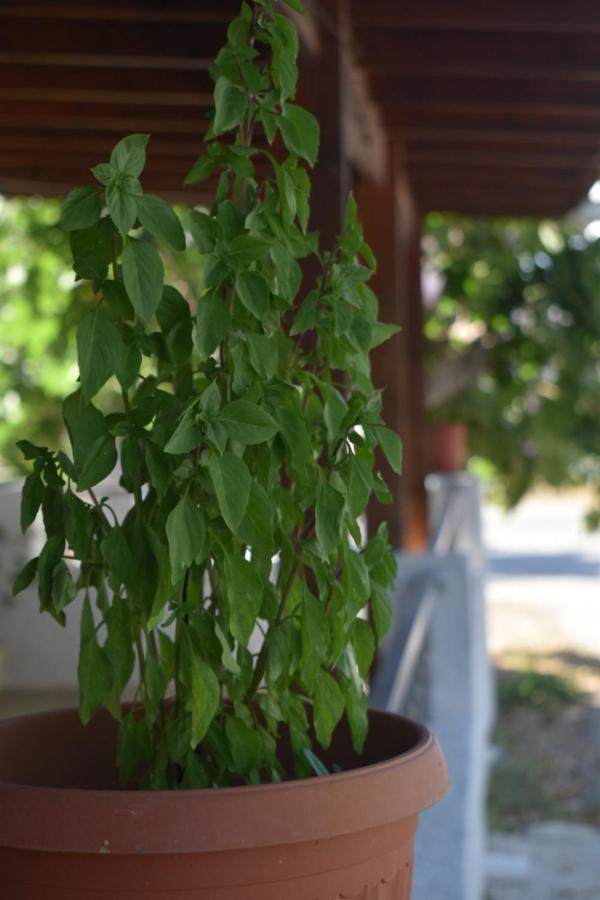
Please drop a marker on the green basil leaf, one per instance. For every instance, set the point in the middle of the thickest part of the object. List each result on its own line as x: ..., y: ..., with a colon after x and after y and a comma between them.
x: 359, y: 485
x: 104, y: 173
x: 186, y: 436
x: 335, y: 411
x: 254, y: 293
x: 363, y: 642
x: 246, y: 249
x: 264, y: 355
x: 328, y: 706
x: 391, y: 445
x: 245, y: 744
x: 230, y: 105
x: 231, y: 481
x: 204, y: 697
x: 186, y: 534
x: 289, y: 273
x: 92, y: 249
x: 300, y: 132
x: 159, y: 218
x: 122, y: 206
x: 381, y: 608
x: 329, y: 510
x: 245, y: 589
x: 25, y: 577
x: 212, y: 323
x: 247, y: 422
x: 315, y: 637
x: 143, y: 275
x: 94, y: 450
x: 98, y: 351
x: 31, y: 499
x: 81, y: 209
x: 129, y: 155
x: 205, y: 229
x: 95, y: 671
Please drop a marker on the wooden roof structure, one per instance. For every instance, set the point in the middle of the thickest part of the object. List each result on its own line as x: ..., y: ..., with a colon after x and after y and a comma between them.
x: 497, y: 106
x: 465, y: 106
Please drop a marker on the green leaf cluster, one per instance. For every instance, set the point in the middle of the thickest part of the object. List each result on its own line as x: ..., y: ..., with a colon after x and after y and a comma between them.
x: 237, y: 586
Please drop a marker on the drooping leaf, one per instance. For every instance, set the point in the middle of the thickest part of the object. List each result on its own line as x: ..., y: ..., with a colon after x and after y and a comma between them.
x: 334, y: 412
x: 95, y: 671
x: 143, y: 275
x: 245, y: 589
x: 212, y: 323
x: 391, y: 445
x: 264, y: 355
x: 253, y: 291
x: 159, y: 218
x: 245, y: 745
x: 94, y: 449
x: 186, y: 533
x: 329, y: 509
x: 81, y: 209
x: 31, y: 499
x: 247, y: 422
x: 204, y: 697
x: 230, y: 105
x: 328, y: 706
x: 363, y: 642
x: 289, y: 273
x: 231, y: 481
x: 315, y: 637
x: 92, y: 249
x: 25, y: 577
x: 300, y: 132
x: 98, y: 351
x: 186, y: 436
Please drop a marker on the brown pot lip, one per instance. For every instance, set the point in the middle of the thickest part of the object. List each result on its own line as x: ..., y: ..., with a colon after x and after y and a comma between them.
x: 127, y: 821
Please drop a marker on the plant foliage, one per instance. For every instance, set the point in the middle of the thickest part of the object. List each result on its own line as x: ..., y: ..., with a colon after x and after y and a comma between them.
x: 234, y: 585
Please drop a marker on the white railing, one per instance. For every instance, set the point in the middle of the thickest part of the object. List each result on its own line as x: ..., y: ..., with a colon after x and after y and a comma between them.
x: 437, y: 645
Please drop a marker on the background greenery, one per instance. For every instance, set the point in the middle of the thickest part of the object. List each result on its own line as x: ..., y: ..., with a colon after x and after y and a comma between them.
x: 40, y: 306
x: 513, y: 323
x: 513, y: 337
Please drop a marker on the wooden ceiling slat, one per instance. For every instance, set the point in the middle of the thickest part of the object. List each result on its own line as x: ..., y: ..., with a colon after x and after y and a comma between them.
x: 493, y: 54
x: 498, y: 105
x: 47, y: 75
x: 104, y: 37
x: 451, y: 137
x: 526, y: 92
x: 574, y: 17
x: 538, y: 159
x: 482, y: 177
x: 183, y: 11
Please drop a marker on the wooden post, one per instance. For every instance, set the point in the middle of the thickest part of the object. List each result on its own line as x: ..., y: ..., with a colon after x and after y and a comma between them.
x: 393, y: 229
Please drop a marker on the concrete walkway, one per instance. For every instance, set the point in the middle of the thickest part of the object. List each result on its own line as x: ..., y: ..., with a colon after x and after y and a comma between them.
x: 543, y: 595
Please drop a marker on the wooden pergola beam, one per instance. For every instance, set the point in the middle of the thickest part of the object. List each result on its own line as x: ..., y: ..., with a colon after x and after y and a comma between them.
x: 492, y: 54
x: 525, y: 92
x: 538, y: 16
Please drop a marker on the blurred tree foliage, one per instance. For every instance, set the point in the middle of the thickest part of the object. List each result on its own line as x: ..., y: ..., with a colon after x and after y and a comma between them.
x: 513, y: 321
x: 39, y: 311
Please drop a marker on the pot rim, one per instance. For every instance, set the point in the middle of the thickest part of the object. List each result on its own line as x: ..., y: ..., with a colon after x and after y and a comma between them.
x: 84, y: 820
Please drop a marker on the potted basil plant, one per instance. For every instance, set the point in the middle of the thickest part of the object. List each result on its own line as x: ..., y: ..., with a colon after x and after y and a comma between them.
x: 234, y: 592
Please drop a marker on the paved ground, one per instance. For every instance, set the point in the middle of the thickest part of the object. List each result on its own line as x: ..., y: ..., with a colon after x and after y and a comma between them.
x: 544, y: 601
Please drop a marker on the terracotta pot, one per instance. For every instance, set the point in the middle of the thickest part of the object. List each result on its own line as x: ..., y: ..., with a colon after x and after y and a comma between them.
x: 447, y: 447
x: 66, y: 833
